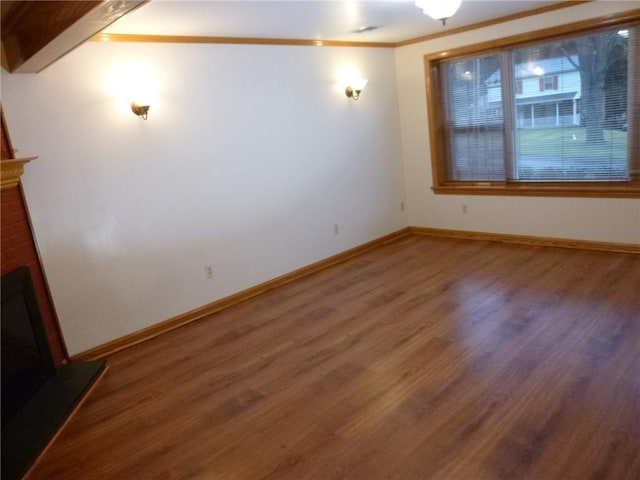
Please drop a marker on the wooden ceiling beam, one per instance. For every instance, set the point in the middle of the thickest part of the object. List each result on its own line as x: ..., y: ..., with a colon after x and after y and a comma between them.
x: 36, y: 34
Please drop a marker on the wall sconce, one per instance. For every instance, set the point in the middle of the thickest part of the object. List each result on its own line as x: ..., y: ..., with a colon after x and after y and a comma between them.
x: 134, y: 87
x: 353, y: 91
x: 140, y: 110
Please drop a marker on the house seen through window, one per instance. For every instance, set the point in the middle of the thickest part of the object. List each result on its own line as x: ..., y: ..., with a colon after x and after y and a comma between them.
x: 557, y: 111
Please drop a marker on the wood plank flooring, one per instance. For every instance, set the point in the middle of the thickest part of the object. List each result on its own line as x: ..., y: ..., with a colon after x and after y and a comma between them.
x: 427, y: 358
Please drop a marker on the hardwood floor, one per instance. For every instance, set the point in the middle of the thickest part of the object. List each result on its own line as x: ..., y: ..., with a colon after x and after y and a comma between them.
x: 426, y: 358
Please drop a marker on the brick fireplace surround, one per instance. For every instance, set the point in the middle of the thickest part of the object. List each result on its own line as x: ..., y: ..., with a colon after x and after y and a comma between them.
x: 19, y: 249
x: 35, y: 416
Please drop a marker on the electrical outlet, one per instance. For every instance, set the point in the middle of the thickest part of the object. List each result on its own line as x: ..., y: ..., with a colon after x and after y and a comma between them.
x: 208, y: 270
x: 465, y: 210
x: 402, y: 206
x: 336, y: 230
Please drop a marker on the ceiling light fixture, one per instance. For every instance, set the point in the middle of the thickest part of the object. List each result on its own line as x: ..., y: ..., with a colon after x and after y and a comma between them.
x: 439, y: 9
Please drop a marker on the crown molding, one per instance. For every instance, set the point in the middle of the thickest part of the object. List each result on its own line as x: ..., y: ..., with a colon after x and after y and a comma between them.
x: 125, y: 37
x: 135, y: 38
x: 12, y: 170
x: 495, y: 21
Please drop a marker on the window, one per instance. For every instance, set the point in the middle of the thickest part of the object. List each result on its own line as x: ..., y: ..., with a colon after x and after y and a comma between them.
x: 559, y: 117
x: 549, y: 83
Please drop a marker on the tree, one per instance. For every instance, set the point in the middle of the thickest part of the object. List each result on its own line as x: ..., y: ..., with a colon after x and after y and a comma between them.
x: 597, y: 55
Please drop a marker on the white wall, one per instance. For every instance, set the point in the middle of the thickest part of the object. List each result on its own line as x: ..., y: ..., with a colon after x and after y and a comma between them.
x: 613, y: 220
x: 249, y: 157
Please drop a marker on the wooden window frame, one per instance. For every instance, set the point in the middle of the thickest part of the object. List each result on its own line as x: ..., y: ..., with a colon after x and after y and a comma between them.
x: 437, y: 135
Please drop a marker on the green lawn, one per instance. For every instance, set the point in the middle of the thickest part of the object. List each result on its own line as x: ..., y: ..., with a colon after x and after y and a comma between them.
x: 569, y: 141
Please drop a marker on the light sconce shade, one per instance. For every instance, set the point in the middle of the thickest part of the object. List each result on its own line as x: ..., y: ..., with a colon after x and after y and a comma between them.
x: 439, y: 9
x: 355, y: 89
x: 140, y: 110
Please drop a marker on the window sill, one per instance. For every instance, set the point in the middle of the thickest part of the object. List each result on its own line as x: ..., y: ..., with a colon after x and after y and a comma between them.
x: 598, y: 190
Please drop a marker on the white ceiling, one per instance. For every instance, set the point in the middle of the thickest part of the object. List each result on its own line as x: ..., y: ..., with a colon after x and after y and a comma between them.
x: 399, y: 20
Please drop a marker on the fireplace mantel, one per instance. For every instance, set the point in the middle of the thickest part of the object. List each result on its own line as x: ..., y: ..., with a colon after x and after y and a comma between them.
x: 12, y: 170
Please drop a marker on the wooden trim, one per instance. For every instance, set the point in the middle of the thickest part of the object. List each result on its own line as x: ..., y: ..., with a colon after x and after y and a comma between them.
x: 36, y: 34
x: 633, y: 103
x: 437, y: 140
x: 529, y: 240
x: 66, y: 421
x: 12, y: 170
x: 28, y: 27
x: 495, y: 21
x: 118, y: 37
x: 122, y: 37
x: 542, y: 189
x: 439, y: 150
x: 153, y: 331
x: 630, y: 17
x: 148, y: 333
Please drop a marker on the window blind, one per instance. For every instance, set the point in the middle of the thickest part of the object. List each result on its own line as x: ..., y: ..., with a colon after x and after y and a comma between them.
x: 556, y: 111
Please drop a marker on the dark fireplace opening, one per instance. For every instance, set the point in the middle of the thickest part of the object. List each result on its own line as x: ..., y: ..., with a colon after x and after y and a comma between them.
x: 27, y: 362
x: 37, y: 396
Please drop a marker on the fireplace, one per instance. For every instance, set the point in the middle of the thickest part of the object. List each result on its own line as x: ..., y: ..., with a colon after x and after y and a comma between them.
x: 37, y: 396
x: 27, y: 363
x: 40, y: 387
